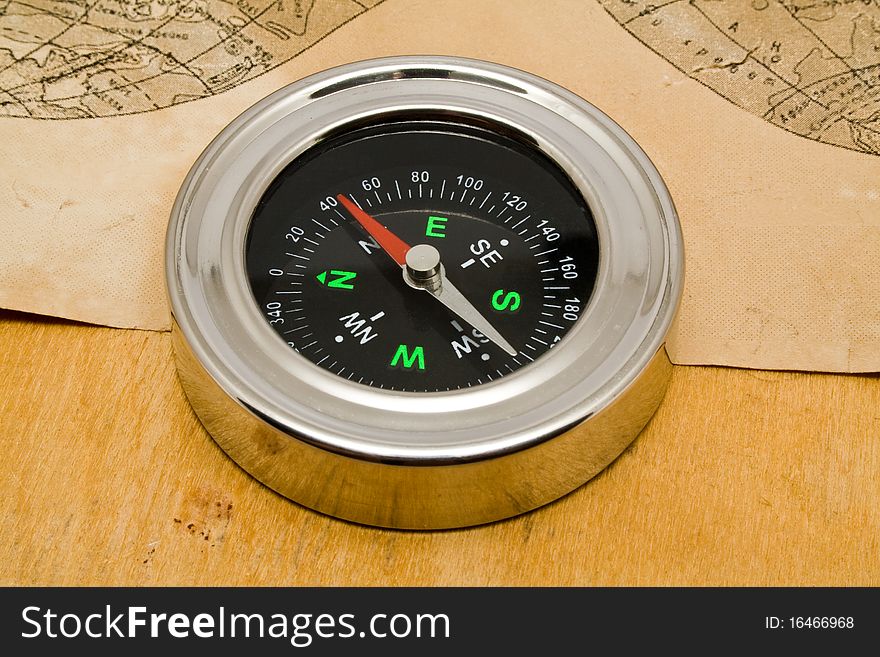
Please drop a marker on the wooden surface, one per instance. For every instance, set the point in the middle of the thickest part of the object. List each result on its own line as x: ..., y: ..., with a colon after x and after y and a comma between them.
x: 743, y: 477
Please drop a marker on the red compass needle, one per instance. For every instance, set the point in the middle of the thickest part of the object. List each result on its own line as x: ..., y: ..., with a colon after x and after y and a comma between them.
x: 390, y: 243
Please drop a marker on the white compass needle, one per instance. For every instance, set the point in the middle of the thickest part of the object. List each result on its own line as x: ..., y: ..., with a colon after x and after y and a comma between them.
x: 424, y: 271
x: 450, y: 297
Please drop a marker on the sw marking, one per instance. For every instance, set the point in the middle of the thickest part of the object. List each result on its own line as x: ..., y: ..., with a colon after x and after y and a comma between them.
x: 465, y: 344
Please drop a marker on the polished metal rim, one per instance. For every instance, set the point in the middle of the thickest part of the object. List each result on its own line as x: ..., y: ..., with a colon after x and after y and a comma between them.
x: 636, y: 294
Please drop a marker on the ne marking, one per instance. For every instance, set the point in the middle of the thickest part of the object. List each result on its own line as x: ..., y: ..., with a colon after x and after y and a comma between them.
x: 378, y: 315
x: 516, y: 225
x: 467, y: 263
x: 442, y: 188
x: 541, y: 321
x: 321, y: 225
x: 398, y: 190
x: 485, y: 199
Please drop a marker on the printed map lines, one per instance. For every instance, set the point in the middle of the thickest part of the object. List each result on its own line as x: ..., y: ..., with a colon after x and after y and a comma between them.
x: 791, y: 86
x: 129, y: 43
x: 51, y: 41
x: 251, y: 37
x: 798, y: 67
x: 114, y: 52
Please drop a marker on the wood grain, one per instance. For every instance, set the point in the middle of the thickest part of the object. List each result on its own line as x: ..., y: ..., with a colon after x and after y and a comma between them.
x: 742, y: 478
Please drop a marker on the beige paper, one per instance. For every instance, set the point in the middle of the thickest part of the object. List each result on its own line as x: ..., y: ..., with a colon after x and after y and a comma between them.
x: 782, y: 231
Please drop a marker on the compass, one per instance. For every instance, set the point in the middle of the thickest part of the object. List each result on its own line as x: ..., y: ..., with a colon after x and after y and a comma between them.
x: 423, y: 292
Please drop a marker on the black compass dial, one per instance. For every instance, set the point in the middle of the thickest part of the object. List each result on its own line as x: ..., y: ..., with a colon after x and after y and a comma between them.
x: 422, y: 255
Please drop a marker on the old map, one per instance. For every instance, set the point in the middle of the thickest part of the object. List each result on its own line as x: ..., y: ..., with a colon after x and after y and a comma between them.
x: 811, y: 67
x: 67, y: 59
